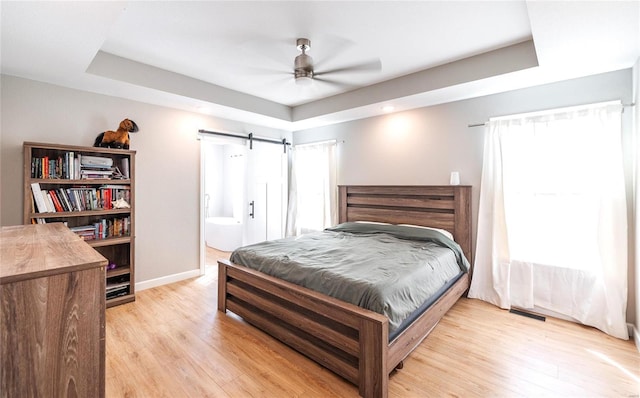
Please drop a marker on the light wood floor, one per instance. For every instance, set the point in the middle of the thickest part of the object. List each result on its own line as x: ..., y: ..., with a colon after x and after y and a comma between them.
x: 172, y: 342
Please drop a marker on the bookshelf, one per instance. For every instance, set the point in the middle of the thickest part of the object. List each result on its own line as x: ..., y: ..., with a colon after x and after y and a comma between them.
x: 78, y: 186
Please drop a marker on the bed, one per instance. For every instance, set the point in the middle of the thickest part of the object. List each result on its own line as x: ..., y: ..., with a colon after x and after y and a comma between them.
x: 351, y: 341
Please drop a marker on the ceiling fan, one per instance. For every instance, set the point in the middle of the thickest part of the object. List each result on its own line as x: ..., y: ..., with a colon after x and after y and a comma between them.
x: 305, y: 74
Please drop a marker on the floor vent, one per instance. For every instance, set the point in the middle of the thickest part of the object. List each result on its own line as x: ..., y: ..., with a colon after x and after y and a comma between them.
x: 528, y: 314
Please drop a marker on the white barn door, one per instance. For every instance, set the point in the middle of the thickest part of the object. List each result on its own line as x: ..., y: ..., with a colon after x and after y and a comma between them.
x: 266, y: 193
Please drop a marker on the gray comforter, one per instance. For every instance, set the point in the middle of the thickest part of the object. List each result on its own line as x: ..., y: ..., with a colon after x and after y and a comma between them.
x: 388, y: 269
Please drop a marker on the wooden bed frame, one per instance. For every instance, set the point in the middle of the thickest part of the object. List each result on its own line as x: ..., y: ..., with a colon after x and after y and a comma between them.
x: 351, y: 341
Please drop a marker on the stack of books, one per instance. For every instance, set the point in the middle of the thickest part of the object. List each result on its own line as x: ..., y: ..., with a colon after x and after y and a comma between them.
x: 117, y: 287
x: 95, y: 167
x: 86, y: 232
x: 117, y: 290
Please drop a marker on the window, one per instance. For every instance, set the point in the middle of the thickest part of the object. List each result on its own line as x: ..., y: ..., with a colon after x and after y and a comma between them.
x: 555, y: 169
x: 552, y: 223
x: 313, y: 194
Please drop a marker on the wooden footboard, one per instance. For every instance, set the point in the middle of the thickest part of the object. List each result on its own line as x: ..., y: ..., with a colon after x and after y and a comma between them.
x: 342, y: 337
x: 349, y: 340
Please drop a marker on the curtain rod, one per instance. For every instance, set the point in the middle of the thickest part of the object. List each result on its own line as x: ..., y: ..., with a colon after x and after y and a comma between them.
x: 485, y: 123
x: 249, y: 137
x: 317, y: 143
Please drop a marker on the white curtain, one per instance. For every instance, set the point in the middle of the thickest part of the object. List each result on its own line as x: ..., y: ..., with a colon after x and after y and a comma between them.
x: 313, y: 193
x: 552, y: 222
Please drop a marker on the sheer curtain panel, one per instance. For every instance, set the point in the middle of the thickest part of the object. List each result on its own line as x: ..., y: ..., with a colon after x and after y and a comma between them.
x: 552, y: 220
x: 313, y: 193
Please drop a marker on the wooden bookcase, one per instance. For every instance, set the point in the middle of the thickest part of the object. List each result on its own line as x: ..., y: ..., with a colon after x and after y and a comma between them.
x: 85, y: 201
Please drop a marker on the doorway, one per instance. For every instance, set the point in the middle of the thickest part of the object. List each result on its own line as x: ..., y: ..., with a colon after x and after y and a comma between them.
x: 243, y: 193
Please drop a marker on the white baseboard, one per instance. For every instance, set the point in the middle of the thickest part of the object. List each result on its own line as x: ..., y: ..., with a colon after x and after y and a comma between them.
x: 634, y: 334
x: 165, y: 280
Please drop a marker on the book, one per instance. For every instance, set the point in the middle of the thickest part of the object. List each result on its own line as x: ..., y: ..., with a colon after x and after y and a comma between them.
x: 76, y: 167
x: 94, y: 199
x: 56, y: 201
x: 72, y: 200
x: 96, y: 174
x: 48, y: 201
x: 83, y: 228
x: 61, y: 200
x: 107, y: 172
x: 114, y: 286
x: 107, y: 198
x: 65, y: 199
x: 41, y: 207
x: 75, y: 198
x: 96, y: 161
x: 117, y: 292
x: 95, y: 167
x: 125, y: 168
x: 67, y: 166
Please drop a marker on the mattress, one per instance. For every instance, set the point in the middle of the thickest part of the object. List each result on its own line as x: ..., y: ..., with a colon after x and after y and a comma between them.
x: 392, y: 270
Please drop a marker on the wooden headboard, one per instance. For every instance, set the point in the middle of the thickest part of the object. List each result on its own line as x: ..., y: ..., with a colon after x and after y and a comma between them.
x: 438, y: 206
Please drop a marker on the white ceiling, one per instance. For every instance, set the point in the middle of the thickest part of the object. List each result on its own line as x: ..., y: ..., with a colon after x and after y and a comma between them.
x: 234, y: 59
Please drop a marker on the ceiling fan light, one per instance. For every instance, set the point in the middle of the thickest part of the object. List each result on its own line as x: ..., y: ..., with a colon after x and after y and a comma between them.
x: 303, y: 44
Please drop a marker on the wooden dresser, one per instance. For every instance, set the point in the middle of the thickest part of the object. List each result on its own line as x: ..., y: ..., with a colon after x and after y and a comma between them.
x: 52, y: 313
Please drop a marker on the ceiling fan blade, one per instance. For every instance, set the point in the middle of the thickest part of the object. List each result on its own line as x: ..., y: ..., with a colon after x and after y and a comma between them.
x: 329, y: 48
x: 369, y: 66
x: 258, y: 70
x: 335, y: 83
x: 278, y: 56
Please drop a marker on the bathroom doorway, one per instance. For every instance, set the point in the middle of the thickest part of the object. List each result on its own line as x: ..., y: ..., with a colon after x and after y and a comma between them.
x: 244, y: 193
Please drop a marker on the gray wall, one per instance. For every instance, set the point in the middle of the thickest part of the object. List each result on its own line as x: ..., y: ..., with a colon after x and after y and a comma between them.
x: 423, y: 146
x: 167, y: 162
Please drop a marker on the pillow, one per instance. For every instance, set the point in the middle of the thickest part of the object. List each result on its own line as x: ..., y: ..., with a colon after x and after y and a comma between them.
x: 373, y: 222
x: 442, y: 231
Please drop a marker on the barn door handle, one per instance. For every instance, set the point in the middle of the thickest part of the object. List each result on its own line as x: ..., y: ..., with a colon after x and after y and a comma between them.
x: 253, y: 209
